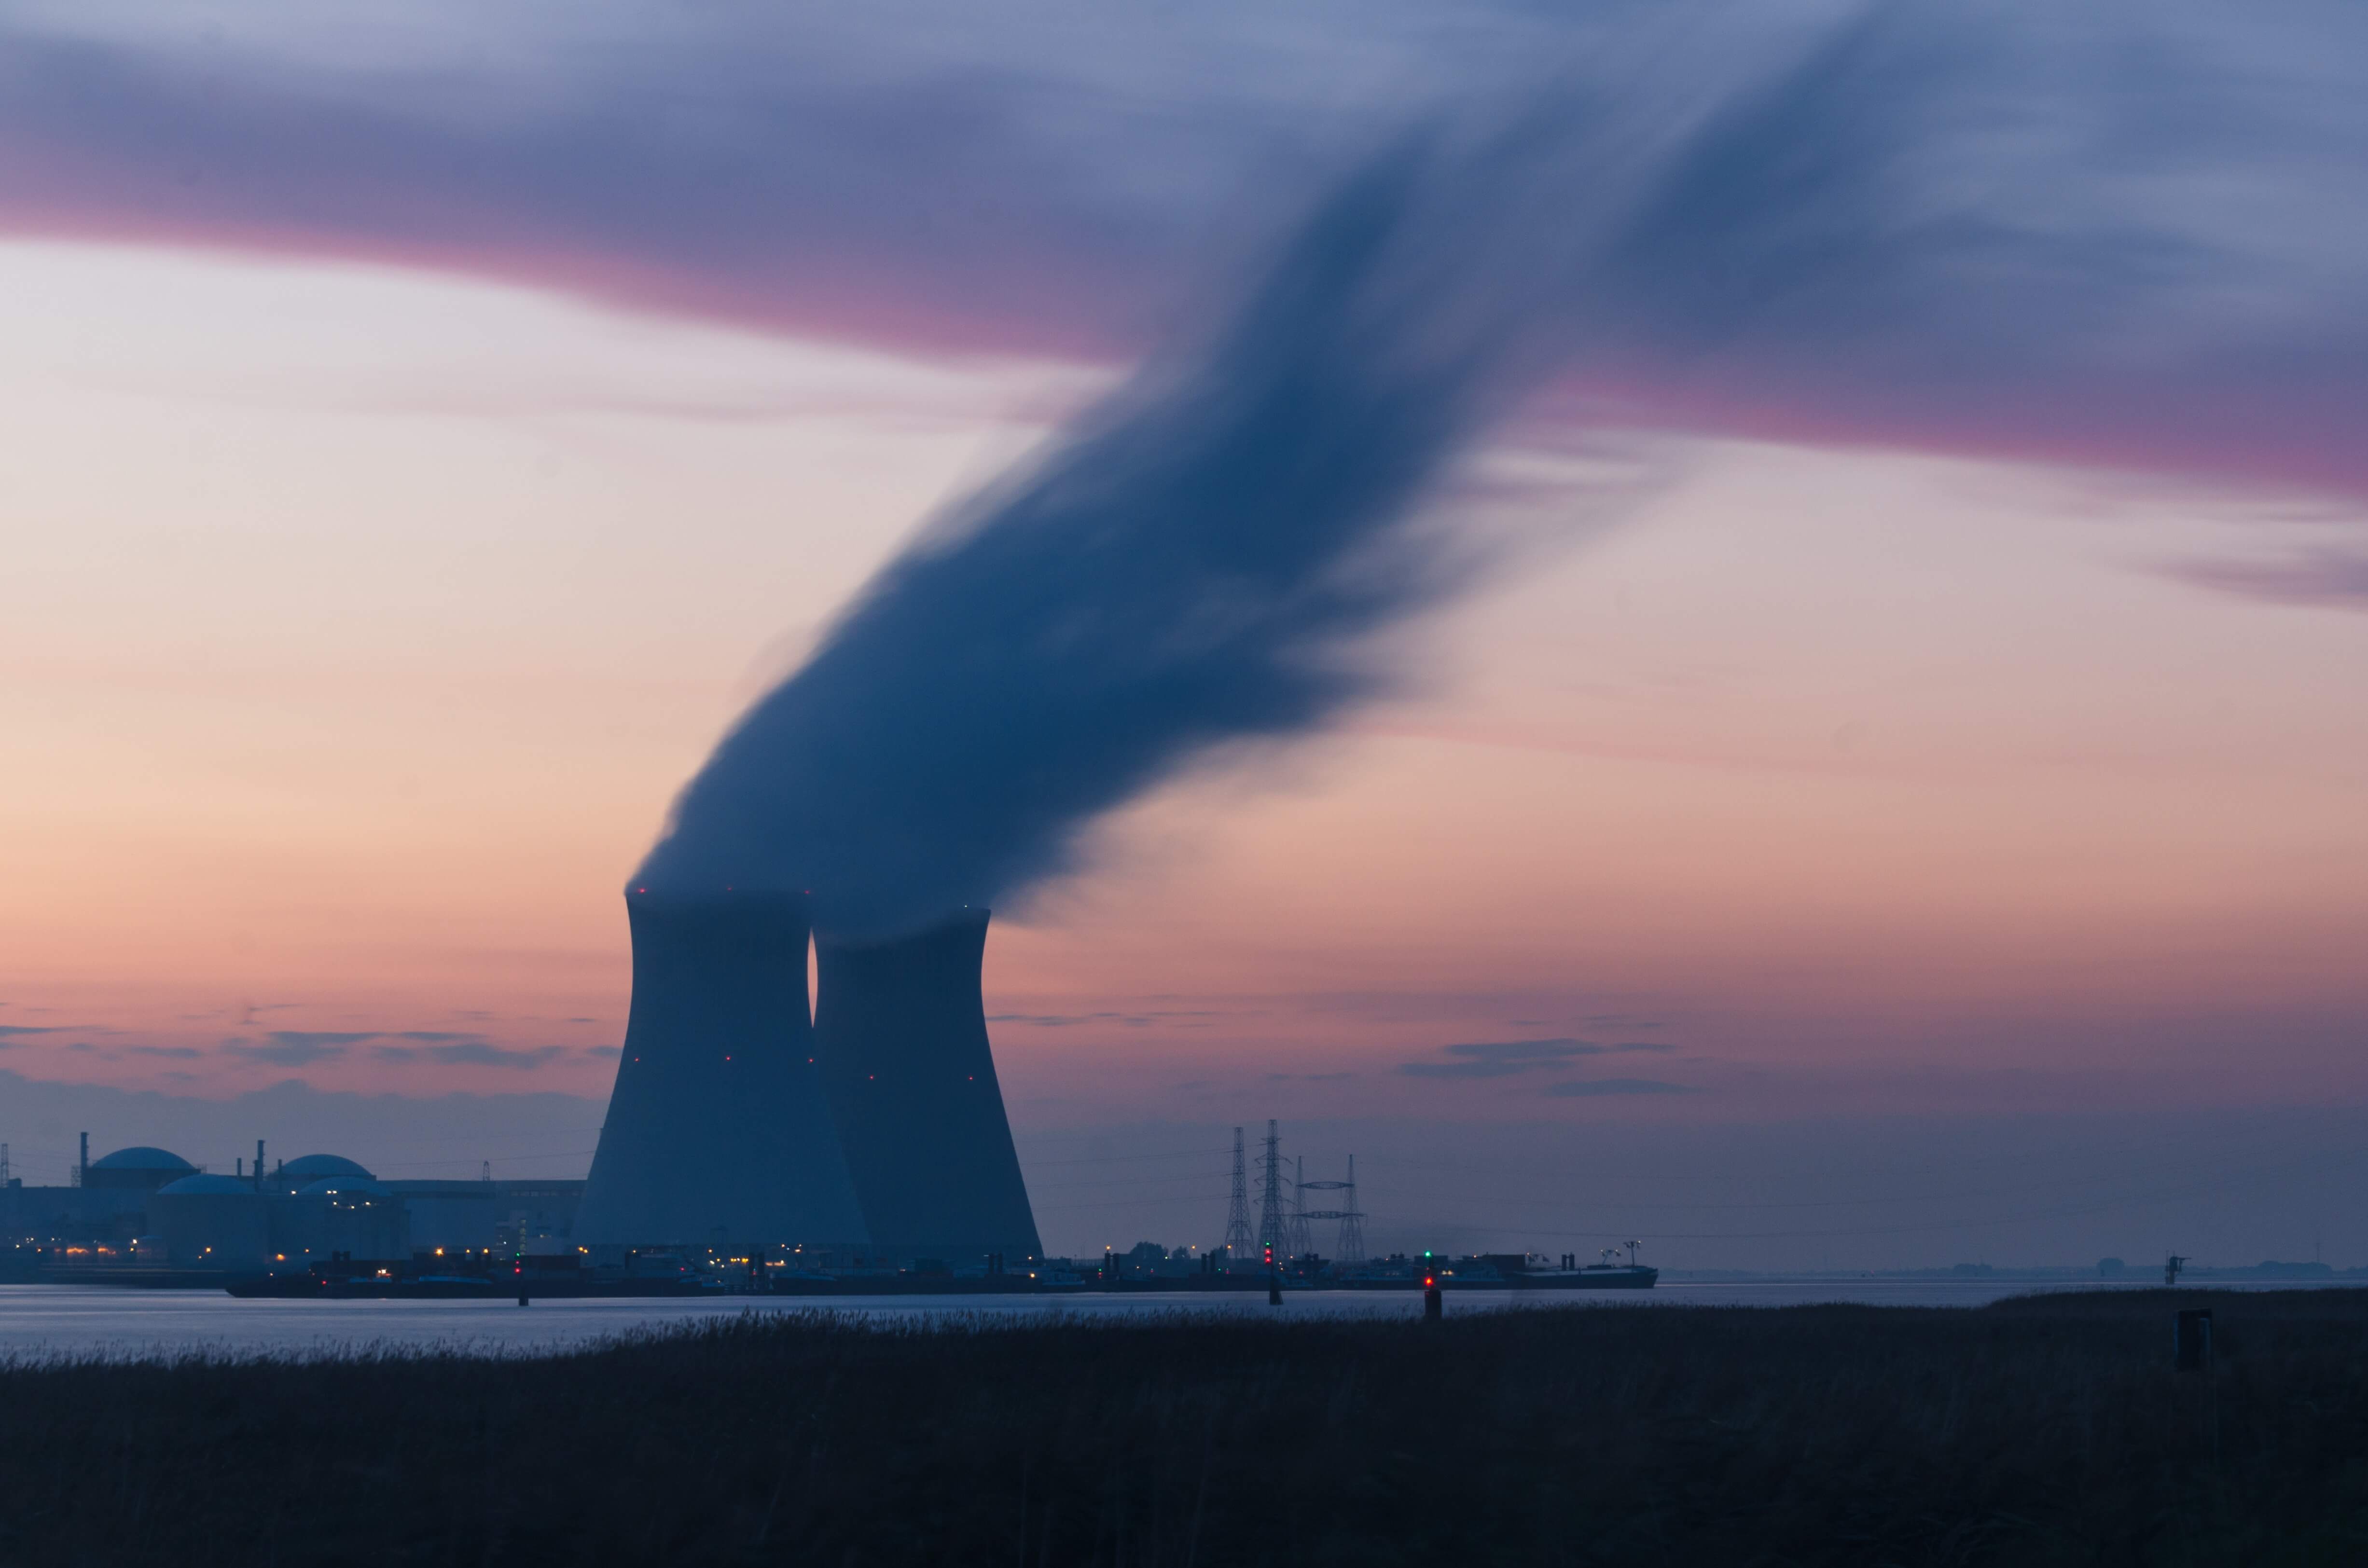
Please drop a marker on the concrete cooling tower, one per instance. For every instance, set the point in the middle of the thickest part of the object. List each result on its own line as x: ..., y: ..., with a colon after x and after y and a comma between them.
x: 900, y: 1030
x: 719, y: 1132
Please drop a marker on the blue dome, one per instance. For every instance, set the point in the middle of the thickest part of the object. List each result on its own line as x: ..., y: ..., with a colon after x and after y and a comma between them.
x: 140, y: 1157
x: 193, y: 1186
x: 313, y: 1167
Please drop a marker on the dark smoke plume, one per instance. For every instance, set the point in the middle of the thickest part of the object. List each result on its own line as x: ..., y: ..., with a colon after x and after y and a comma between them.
x: 1192, y: 563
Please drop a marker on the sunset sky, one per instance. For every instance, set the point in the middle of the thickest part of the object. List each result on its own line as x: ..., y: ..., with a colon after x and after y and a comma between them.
x: 385, y: 549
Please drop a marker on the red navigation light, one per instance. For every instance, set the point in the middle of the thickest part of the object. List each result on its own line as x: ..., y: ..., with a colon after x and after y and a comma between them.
x: 1429, y: 1282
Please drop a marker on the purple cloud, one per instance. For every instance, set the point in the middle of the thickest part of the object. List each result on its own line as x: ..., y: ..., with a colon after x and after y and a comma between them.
x: 2115, y: 234
x: 470, y: 1053
x: 296, y: 1048
x: 300, y: 1047
x: 1507, y: 1058
x: 2327, y: 579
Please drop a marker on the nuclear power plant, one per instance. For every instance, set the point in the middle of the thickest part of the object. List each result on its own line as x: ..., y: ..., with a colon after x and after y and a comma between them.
x: 900, y: 1030
x: 717, y: 1130
x: 874, y: 1125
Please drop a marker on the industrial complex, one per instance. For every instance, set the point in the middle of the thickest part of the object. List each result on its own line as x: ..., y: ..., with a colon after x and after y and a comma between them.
x: 145, y: 1214
x: 866, y: 1135
x: 751, y: 1142
x: 873, y: 1128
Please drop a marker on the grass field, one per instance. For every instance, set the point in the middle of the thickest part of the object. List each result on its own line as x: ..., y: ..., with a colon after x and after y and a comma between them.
x: 2037, y: 1431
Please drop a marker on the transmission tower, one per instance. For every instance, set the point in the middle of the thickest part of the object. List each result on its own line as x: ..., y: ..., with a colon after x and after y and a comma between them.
x: 1351, y: 1218
x: 1273, y: 1244
x: 1237, y: 1216
x: 1301, y: 1243
x: 1352, y: 1221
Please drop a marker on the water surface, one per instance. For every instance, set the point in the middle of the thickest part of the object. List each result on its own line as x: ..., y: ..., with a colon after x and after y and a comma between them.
x: 48, y: 1320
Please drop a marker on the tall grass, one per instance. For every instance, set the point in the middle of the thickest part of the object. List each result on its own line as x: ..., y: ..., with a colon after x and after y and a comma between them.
x: 2040, y: 1431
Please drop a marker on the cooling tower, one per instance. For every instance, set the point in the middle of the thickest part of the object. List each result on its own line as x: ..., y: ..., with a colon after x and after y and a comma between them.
x: 901, y: 1033
x: 718, y: 1131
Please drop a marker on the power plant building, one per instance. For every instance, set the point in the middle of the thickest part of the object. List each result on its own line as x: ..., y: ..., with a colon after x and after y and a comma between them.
x: 901, y: 1029
x: 213, y: 1222
x: 875, y: 1125
x: 718, y: 1131
x: 870, y: 1129
x: 147, y: 1207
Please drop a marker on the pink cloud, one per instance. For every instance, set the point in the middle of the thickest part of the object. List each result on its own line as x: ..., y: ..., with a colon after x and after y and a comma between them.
x: 1924, y: 230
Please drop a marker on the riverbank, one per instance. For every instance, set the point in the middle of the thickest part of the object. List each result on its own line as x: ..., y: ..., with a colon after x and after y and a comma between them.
x: 2049, y: 1430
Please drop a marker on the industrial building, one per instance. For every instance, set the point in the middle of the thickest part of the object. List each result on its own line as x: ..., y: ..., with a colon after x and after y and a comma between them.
x: 873, y: 1127
x: 900, y: 1030
x: 106, y: 1201
x: 868, y: 1129
x: 718, y: 1132
x: 144, y: 1208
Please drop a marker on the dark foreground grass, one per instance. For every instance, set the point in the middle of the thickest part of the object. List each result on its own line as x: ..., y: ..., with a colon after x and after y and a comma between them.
x: 2048, y: 1430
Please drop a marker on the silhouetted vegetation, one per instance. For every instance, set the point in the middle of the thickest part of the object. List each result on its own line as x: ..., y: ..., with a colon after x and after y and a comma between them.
x: 2045, y: 1430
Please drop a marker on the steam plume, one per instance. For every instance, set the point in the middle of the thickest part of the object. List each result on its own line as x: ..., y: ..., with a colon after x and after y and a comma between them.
x: 1189, y: 566
x: 1855, y: 243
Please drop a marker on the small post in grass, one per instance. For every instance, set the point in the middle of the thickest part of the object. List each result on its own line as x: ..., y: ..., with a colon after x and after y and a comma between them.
x: 2191, y: 1342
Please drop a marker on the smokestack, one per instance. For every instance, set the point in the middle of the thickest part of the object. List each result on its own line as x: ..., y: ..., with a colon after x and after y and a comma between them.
x: 718, y: 1128
x: 900, y: 1030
